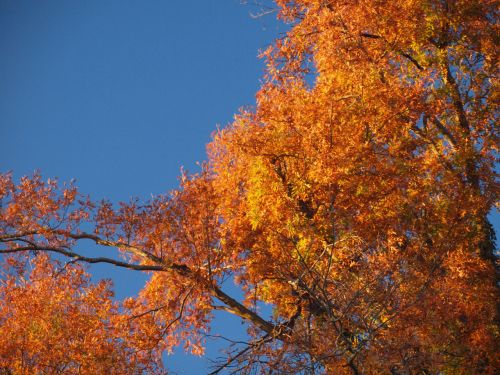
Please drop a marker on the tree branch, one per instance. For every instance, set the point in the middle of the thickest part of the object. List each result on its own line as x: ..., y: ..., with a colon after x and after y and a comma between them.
x: 233, y: 306
x: 231, y: 359
x: 401, y: 52
x: 78, y: 257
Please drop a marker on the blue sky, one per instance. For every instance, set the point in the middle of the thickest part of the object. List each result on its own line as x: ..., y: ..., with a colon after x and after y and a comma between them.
x: 120, y: 94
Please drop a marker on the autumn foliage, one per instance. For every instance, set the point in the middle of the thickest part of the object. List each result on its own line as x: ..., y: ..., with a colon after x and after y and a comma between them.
x: 353, y: 199
x: 53, y: 321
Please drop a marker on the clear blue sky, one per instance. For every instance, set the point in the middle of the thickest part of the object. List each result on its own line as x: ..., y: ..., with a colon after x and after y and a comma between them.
x: 121, y: 94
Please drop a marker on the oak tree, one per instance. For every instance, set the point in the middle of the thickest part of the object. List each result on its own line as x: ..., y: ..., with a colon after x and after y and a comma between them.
x: 353, y: 199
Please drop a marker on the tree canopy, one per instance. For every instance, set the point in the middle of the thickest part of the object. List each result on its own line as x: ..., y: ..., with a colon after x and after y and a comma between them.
x: 353, y: 199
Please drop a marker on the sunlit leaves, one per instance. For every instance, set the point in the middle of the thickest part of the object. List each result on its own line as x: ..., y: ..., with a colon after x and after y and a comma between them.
x: 53, y: 320
x: 353, y: 199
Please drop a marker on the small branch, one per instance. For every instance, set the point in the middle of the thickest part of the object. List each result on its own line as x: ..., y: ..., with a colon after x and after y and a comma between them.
x: 402, y: 53
x: 371, y: 36
x: 409, y: 57
x: 445, y: 132
x: 181, y: 312
x: 353, y: 368
x: 230, y: 360
x: 457, y: 100
x: 80, y: 258
x: 147, y: 312
x: 15, y: 236
x: 100, y: 241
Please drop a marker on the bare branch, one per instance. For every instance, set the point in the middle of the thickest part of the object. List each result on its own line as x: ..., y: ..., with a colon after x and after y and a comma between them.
x: 81, y: 258
x: 231, y: 359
